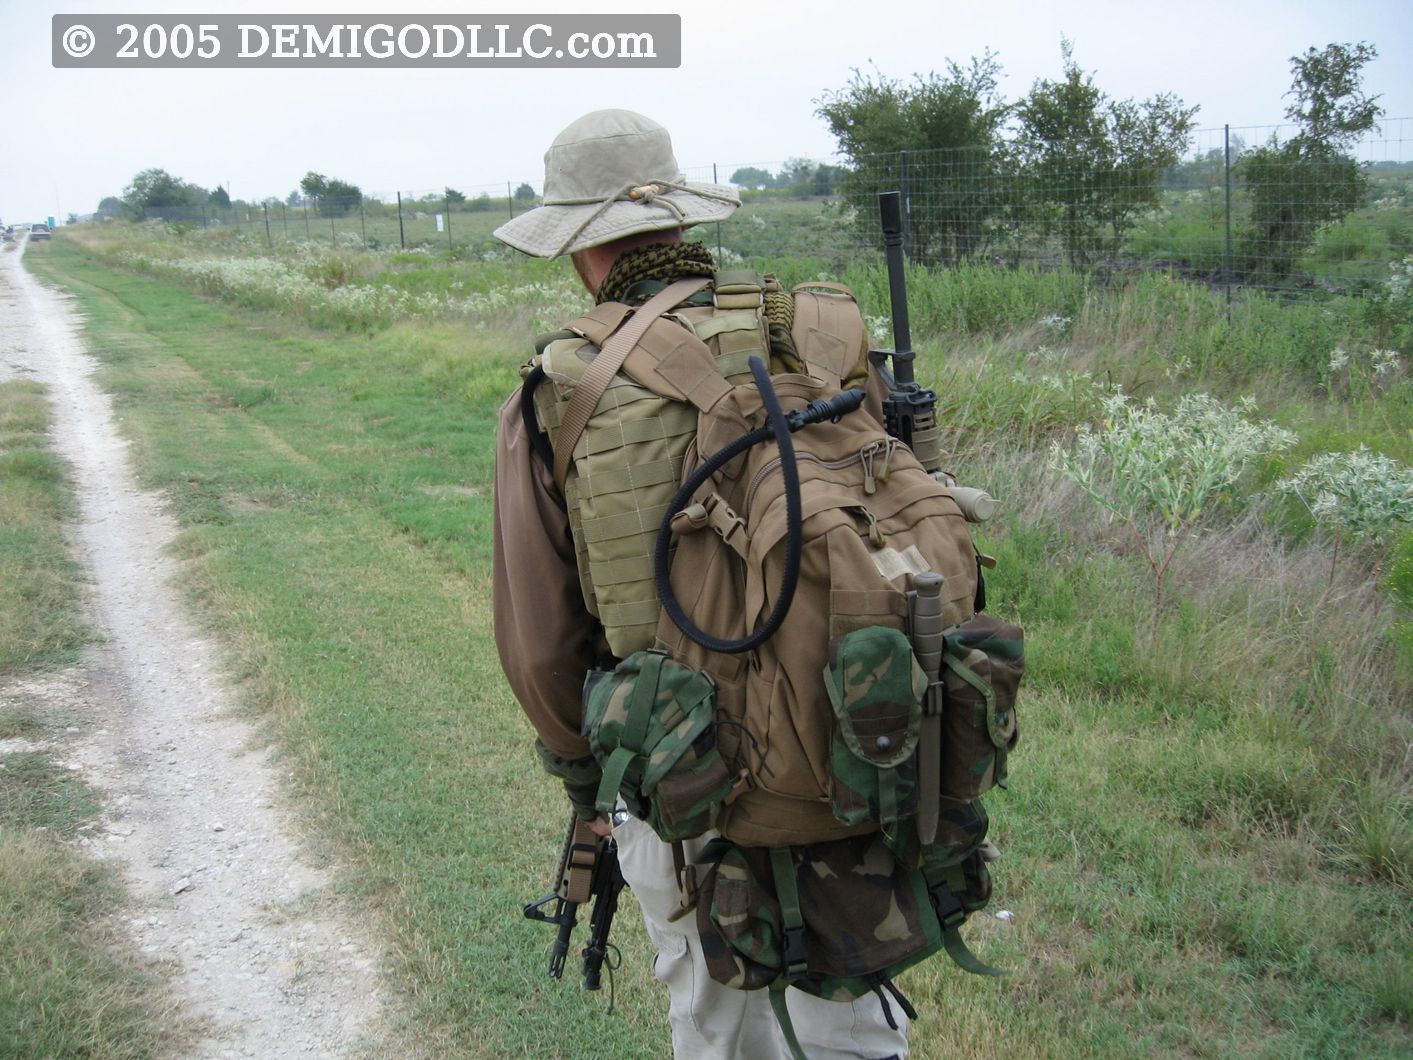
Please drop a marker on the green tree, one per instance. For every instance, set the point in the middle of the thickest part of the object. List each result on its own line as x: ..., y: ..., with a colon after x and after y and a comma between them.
x: 481, y: 202
x: 524, y: 193
x: 454, y: 197
x: 334, y: 197
x: 1298, y: 187
x: 753, y: 177
x: 155, y: 189
x: 797, y: 175
x: 1090, y: 165
x: 826, y: 179
x: 219, y: 197
x: 950, y: 126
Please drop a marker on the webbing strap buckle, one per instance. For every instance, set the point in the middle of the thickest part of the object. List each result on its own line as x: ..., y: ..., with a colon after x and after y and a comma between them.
x: 796, y: 960
x: 950, y: 912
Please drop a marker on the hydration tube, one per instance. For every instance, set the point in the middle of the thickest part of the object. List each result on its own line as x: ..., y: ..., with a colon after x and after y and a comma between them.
x: 779, y: 425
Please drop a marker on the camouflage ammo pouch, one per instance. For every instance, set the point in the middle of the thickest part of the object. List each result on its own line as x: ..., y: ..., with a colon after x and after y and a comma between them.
x: 982, y: 668
x: 876, y: 687
x: 840, y: 919
x: 651, y: 726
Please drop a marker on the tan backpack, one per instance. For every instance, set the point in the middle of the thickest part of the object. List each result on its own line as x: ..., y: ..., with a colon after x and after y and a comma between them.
x: 872, y: 517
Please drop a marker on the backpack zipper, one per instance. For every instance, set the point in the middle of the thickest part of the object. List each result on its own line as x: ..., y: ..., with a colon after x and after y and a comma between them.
x: 864, y: 456
x: 773, y: 465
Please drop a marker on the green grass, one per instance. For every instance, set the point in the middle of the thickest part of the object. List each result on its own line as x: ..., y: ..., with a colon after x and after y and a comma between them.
x: 37, y: 793
x: 68, y: 988
x: 39, y: 622
x: 1207, y: 832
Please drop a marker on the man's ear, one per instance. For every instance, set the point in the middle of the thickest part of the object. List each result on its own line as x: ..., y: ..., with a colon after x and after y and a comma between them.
x: 580, y: 258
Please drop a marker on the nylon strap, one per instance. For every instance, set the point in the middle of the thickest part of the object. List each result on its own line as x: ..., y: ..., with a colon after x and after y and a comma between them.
x: 605, y: 366
x: 640, y: 706
x: 957, y: 949
x: 782, y: 1017
x: 787, y: 891
x: 888, y: 794
x: 686, y: 882
x: 950, y: 916
x: 613, y: 771
x: 579, y: 865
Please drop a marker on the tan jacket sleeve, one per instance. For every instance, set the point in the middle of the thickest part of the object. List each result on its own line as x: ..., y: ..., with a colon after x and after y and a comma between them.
x: 543, y: 632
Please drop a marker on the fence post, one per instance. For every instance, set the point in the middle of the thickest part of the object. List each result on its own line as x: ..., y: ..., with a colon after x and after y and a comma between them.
x: 907, y: 207
x: 446, y: 202
x: 284, y: 219
x: 333, y: 236
x: 509, y: 201
x: 362, y: 219
x: 1226, y: 252
x: 307, y: 236
x: 269, y: 242
x: 401, y: 233
x: 718, y: 223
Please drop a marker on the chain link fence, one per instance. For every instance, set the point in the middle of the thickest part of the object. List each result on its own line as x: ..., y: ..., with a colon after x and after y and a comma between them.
x: 1228, y: 215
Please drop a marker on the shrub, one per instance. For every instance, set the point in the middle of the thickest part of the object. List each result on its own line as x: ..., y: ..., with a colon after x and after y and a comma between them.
x: 1159, y: 472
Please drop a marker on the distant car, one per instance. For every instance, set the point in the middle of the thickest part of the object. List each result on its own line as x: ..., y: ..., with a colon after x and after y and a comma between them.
x: 40, y: 231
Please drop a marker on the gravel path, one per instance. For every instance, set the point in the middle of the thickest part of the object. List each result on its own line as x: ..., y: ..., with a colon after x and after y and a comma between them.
x: 265, y: 954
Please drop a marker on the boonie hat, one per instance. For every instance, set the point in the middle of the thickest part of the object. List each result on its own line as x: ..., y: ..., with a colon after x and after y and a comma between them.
x: 612, y: 174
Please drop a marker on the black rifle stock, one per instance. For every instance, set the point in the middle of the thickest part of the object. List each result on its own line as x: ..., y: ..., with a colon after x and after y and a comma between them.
x: 910, y: 410
x: 588, y: 872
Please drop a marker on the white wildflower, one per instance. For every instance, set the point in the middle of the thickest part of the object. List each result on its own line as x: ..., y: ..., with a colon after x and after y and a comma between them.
x: 1384, y: 361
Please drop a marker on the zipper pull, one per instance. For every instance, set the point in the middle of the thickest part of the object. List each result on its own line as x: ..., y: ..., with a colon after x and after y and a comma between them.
x: 866, y: 459
x: 890, y: 446
x: 875, y: 532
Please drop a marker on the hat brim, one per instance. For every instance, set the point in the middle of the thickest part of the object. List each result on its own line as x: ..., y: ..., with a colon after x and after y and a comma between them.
x: 542, y: 232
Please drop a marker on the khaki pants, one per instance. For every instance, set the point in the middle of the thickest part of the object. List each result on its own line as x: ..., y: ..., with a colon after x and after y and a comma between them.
x: 715, y: 1022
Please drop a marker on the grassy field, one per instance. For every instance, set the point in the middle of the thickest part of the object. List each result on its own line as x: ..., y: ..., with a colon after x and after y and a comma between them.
x: 1207, y: 835
x: 68, y: 985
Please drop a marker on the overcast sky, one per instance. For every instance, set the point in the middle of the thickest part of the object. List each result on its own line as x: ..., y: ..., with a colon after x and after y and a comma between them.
x: 745, y: 94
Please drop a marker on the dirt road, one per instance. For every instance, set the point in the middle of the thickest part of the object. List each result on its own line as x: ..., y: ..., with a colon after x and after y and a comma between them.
x: 264, y: 953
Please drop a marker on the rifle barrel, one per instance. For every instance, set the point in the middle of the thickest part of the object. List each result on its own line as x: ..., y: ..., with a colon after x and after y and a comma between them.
x: 890, y: 208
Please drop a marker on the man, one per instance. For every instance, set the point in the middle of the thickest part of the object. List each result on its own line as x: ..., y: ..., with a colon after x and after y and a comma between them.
x: 615, y: 201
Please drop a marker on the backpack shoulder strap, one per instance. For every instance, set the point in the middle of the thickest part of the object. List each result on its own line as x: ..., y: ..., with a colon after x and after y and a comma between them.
x: 829, y: 332
x: 605, y: 366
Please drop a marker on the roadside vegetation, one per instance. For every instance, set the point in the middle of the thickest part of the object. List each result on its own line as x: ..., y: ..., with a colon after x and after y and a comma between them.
x: 69, y: 987
x: 1208, y: 840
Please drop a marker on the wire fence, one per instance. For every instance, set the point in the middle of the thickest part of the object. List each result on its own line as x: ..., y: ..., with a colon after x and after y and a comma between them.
x: 1230, y: 214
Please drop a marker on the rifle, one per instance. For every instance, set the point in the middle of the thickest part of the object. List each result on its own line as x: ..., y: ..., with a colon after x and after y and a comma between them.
x: 910, y: 410
x: 588, y: 872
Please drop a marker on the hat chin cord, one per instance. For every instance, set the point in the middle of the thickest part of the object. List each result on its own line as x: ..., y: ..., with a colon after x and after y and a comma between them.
x: 651, y: 193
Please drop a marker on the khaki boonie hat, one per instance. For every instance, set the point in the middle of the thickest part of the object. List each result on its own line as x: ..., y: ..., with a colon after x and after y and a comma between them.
x: 608, y: 175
